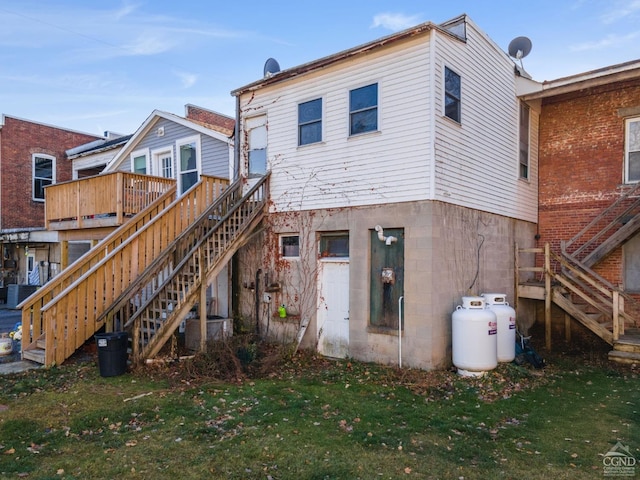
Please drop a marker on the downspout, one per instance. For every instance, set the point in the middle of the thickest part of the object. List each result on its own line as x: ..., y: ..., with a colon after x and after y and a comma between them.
x: 257, y: 293
x: 400, y: 300
x: 237, y: 142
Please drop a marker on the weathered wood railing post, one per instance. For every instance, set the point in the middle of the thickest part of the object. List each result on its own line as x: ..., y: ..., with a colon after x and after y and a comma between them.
x: 547, y: 295
x: 616, y: 315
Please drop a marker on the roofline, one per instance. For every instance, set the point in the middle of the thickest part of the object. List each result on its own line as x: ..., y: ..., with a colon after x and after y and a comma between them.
x: 45, y: 125
x: 146, y: 127
x: 593, y: 78
x: 346, y: 54
x: 111, y: 144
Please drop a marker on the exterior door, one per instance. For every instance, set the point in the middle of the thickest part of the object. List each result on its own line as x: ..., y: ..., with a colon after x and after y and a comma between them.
x: 333, y: 311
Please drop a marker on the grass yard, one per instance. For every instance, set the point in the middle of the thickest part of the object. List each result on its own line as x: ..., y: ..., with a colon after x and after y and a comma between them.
x: 306, y: 417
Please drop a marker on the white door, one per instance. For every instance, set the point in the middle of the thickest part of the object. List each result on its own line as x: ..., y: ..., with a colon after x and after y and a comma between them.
x: 333, y: 311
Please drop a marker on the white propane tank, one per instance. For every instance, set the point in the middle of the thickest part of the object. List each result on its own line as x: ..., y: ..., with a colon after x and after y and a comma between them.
x: 506, y: 317
x: 474, y: 337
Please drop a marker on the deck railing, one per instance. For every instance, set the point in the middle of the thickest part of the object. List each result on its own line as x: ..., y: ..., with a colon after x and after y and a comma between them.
x: 103, y: 200
x: 70, y: 317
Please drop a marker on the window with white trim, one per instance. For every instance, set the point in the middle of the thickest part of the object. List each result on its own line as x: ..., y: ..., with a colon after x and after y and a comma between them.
x: 139, y: 161
x: 452, y: 95
x: 44, y: 173
x: 525, y: 114
x: 188, y: 162
x: 163, y: 163
x: 632, y: 150
x: 257, y: 138
x: 363, y: 109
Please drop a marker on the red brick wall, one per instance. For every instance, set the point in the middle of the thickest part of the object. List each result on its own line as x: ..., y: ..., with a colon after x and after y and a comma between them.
x: 582, y: 162
x: 19, y: 139
x: 222, y: 122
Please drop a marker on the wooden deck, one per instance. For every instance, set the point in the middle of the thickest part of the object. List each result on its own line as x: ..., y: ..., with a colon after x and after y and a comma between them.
x: 106, y: 200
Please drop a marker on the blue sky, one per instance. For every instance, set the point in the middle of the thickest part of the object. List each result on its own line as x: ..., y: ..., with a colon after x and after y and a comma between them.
x: 106, y: 65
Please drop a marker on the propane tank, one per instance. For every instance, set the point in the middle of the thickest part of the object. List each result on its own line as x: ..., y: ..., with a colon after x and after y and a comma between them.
x: 474, y: 337
x: 506, y: 317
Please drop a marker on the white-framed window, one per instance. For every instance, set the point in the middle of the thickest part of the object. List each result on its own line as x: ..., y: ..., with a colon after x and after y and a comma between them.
x: 44, y: 173
x: 257, y: 138
x: 189, y: 162
x: 632, y: 149
x: 310, y: 122
x: 163, y: 163
x: 363, y: 109
x: 525, y: 114
x: 290, y: 246
x: 452, y: 95
x: 140, y: 161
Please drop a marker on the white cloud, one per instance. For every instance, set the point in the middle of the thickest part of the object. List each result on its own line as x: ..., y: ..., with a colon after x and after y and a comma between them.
x: 148, y: 44
x: 187, y: 79
x: 621, y: 10
x: 394, y: 21
x: 610, y: 41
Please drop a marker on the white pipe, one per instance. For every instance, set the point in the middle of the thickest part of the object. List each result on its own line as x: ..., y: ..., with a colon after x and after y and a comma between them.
x: 400, y: 331
x: 388, y: 240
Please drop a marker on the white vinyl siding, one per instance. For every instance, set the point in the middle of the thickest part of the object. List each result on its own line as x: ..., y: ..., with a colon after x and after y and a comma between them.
x: 477, y: 162
x: 389, y: 165
x: 416, y: 153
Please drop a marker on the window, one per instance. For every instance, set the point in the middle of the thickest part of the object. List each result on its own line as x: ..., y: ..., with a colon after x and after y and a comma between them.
x: 334, y: 245
x: 452, y: 94
x: 188, y: 162
x: 310, y: 122
x: 139, y: 161
x: 163, y: 164
x: 363, y: 109
x: 44, y: 173
x: 290, y: 245
x: 632, y: 149
x: 524, y: 140
x: 257, y: 138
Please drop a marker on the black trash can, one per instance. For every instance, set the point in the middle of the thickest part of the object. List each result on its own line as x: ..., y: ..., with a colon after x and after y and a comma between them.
x: 112, y: 353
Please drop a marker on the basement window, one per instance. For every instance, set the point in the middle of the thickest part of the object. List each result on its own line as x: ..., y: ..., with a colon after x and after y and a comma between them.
x: 290, y: 246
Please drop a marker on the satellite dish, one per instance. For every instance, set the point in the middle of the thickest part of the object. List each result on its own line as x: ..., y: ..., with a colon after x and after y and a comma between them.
x: 519, y: 48
x: 271, y: 67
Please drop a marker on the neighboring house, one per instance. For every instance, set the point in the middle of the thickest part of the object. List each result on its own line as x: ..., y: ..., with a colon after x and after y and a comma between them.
x: 32, y: 156
x: 402, y: 173
x: 589, y: 176
x: 92, y: 158
x: 169, y: 146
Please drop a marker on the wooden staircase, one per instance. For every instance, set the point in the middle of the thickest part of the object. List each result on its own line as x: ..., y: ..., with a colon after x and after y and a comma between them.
x: 607, y: 231
x: 68, y: 310
x: 155, y: 304
x: 586, y: 297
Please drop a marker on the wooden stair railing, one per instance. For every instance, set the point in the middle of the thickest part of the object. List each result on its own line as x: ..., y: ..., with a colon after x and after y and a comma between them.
x: 160, y: 299
x: 587, y: 297
x: 71, y: 317
x: 32, y: 320
x: 615, y: 224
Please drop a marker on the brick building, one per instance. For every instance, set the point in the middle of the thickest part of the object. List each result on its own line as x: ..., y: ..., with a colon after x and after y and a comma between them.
x: 32, y: 156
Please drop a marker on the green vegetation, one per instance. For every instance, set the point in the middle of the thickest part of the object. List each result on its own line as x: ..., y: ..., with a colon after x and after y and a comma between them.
x: 305, y: 417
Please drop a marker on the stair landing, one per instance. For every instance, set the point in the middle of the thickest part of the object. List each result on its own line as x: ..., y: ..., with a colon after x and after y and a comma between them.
x: 626, y: 349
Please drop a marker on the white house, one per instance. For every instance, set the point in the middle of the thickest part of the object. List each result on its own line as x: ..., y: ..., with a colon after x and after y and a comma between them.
x: 403, y: 171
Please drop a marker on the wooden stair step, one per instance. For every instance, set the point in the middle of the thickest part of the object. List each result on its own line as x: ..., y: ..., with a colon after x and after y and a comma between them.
x: 35, y: 355
x: 627, y: 358
x: 627, y: 343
